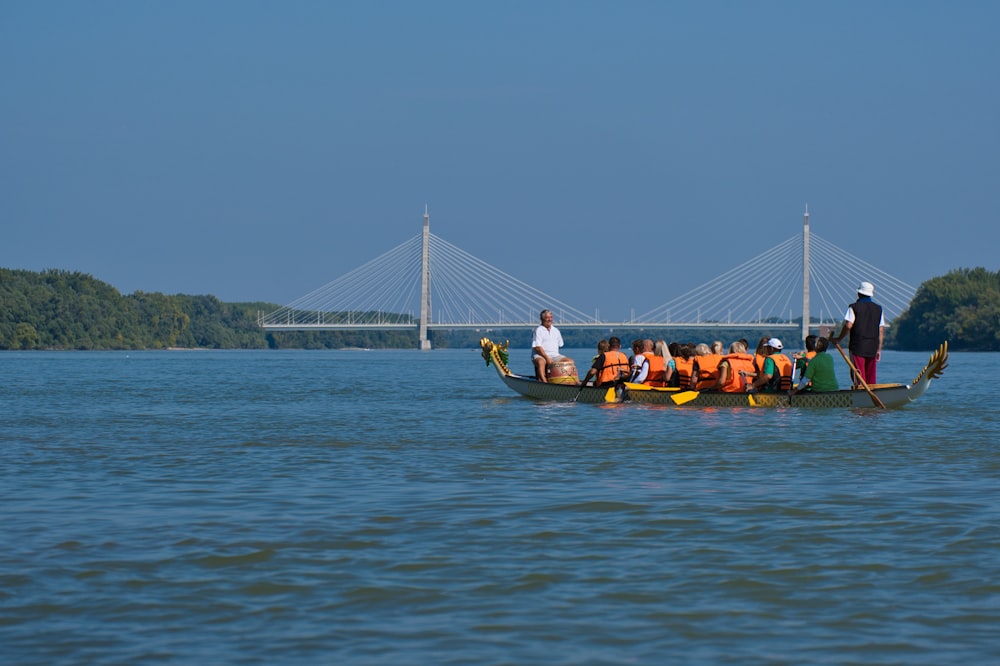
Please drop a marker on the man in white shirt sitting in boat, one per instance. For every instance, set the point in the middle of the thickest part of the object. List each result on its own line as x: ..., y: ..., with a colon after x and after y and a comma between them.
x: 545, y: 344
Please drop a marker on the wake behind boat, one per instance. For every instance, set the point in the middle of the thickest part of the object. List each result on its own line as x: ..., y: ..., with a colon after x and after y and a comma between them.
x: 890, y: 395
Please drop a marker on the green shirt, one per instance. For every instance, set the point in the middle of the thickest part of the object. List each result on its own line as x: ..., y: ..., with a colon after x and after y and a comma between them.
x: 820, y: 372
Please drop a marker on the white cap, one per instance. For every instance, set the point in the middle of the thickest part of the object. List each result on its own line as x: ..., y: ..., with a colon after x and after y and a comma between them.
x: 866, y: 289
x: 774, y: 343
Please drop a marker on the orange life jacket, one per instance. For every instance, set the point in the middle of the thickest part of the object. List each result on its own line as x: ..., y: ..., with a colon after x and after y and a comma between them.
x: 758, y: 363
x: 615, y: 365
x: 657, y: 375
x: 684, y: 367
x: 735, y: 383
x: 708, y: 370
x: 784, y: 366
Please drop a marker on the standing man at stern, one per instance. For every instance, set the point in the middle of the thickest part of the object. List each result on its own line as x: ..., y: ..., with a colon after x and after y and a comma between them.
x: 866, y: 324
x: 545, y: 344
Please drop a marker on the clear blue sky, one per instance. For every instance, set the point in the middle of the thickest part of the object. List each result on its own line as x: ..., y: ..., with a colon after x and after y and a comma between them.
x: 603, y: 152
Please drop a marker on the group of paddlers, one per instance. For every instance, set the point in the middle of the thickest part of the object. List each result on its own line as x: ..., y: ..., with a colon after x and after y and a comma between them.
x: 688, y: 366
x: 703, y: 367
x: 711, y: 367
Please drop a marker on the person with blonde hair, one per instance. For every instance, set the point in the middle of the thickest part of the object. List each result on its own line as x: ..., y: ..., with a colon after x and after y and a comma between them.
x: 662, y: 349
x: 734, y: 368
x: 706, y: 367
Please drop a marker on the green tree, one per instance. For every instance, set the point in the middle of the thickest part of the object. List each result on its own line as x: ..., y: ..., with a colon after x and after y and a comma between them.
x: 962, y: 307
x: 25, y: 336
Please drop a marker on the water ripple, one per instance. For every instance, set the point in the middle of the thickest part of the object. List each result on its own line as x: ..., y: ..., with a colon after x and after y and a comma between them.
x: 269, y: 508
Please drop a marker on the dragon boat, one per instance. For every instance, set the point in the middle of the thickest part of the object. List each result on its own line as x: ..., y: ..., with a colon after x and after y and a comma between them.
x: 873, y: 396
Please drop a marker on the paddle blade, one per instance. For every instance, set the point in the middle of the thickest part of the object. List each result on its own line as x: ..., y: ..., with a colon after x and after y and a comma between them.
x: 610, y: 396
x: 684, y: 397
x: 640, y: 387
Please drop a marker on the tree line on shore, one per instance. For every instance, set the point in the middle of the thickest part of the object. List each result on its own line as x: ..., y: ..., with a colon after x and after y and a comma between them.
x: 57, y: 309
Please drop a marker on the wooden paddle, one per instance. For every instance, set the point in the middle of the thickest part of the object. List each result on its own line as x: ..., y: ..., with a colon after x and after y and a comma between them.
x: 875, y: 399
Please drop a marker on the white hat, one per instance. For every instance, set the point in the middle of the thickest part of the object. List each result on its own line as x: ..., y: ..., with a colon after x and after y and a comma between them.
x: 866, y: 289
x: 774, y: 343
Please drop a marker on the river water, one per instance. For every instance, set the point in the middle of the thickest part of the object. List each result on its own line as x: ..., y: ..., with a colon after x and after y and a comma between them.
x: 388, y: 507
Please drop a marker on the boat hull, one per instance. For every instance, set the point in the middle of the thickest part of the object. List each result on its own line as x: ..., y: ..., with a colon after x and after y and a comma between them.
x: 891, y: 396
x: 532, y: 388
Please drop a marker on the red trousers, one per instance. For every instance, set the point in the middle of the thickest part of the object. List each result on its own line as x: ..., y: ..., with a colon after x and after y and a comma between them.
x: 866, y: 368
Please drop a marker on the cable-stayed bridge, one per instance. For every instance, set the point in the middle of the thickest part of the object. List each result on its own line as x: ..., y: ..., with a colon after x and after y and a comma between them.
x: 427, y: 283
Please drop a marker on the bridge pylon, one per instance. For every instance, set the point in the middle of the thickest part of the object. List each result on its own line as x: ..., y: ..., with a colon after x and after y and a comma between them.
x: 425, y: 282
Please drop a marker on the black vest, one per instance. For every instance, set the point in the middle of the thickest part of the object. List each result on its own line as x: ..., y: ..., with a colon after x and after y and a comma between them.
x: 864, y: 331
